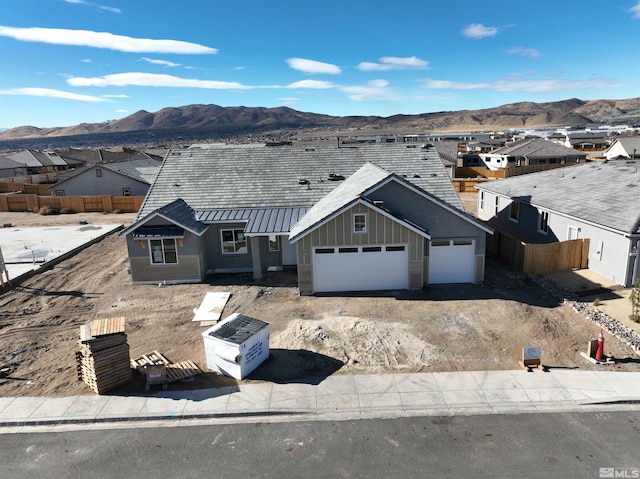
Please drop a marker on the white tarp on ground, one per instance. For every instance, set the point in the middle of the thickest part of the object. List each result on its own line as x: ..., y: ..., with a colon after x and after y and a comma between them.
x: 26, y: 249
x: 211, y: 307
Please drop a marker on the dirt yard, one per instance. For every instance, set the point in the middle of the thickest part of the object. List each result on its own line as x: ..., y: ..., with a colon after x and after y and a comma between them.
x: 443, y: 328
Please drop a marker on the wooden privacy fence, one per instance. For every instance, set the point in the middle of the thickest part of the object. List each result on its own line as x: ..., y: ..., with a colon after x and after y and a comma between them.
x: 552, y: 257
x: 75, y: 204
x: 484, y: 172
x: 539, y: 258
x: 467, y: 185
x: 28, y: 188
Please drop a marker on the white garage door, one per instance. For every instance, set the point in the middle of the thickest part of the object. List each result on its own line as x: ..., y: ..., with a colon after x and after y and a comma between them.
x: 451, y: 261
x: 360, y: 268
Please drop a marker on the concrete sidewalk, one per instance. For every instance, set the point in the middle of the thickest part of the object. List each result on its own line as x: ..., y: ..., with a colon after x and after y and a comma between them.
x: 339, y: 398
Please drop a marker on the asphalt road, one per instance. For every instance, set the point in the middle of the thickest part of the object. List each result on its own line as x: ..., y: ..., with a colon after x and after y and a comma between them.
x: 567, y: 445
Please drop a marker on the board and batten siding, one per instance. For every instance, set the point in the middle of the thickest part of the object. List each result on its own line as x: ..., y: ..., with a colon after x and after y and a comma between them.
x: 381, y: 230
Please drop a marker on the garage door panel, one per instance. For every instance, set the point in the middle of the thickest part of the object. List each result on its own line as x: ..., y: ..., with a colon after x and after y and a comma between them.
x: 361, y: 270
x: 451, y: 262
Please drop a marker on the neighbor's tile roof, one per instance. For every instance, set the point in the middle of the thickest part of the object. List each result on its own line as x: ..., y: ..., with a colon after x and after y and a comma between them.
x: 536, y: 147
x: 9, y: 164
x: 629, y: 143
x: 269, y: 177
x: 143, y: 170
x: 605, y: 192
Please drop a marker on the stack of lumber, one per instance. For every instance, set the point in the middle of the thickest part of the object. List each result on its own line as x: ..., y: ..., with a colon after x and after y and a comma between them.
x: 175, y: 371
x: 103, y: 354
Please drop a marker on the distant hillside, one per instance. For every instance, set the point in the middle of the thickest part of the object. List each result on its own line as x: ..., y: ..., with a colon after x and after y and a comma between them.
x: 217, y: 121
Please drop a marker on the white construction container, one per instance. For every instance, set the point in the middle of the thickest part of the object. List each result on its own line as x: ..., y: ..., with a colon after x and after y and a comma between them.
x: 237, y: 345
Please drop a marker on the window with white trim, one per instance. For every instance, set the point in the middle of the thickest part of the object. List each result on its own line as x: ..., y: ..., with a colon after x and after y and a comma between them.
x: 481, y: 201
x: 233, y: 242
x: 543, y: 222
x: 359, y: 222
x: 163, y: 251
x: 126, y: 191
x: 98, y: 172
x: 274, y: 243
x: 59, y: 192
x: 514, y: 211
x: 497, y: 204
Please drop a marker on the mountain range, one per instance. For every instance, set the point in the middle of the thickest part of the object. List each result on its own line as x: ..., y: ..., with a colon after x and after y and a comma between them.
x: 220, y: 121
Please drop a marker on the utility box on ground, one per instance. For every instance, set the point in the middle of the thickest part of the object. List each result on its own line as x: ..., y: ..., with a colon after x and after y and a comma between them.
x: 237, y: 345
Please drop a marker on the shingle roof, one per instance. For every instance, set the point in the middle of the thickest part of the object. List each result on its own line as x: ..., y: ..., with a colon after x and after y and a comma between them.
x: 272, y: 177
x: 606, y: 193
x: 536, y: 147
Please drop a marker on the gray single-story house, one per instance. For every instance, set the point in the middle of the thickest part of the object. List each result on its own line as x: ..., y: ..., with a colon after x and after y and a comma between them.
x: 599, y: 201
x: 121, y: 178
x: 372, y: 217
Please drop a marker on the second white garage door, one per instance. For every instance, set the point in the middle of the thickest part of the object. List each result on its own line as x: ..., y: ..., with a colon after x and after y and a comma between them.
x: 360, y: 268
x: 451, y: 261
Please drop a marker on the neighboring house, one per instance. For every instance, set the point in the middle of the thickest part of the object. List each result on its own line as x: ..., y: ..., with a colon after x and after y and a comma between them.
x: 628, y: 146
x: 9, y: 168
x: 37, y: 162
x: 586, y: 141
x: 599, y: 201
x: 350, y: 218
x: 122, y: 178
x: 90, y: 156
x: 531, y: 151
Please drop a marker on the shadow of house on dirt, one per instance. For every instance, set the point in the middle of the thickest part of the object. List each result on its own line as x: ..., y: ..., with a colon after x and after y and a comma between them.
x: 283, y: 366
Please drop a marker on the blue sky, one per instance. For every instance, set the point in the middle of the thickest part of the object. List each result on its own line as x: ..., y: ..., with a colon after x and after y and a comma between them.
x: 65, y: 62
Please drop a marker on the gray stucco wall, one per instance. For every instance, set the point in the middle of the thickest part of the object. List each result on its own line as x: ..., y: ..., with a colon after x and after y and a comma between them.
x: 110, y: 183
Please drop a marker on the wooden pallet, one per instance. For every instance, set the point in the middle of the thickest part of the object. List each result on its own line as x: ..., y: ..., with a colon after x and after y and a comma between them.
x: 175, y: 371
x: 102, y: 356
x: 101, y: 327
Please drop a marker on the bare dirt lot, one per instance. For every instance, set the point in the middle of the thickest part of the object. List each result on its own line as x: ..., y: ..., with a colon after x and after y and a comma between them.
x: 442, y: 328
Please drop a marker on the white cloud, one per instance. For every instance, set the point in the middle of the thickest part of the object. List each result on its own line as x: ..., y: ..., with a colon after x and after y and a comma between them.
x: 91, y: 4
x: 116, y: 96
x: 312, y: 66
x: 48, y: 92
x: 394, y: 63
x: 525, y: 52
x: 122, y: 111
x: 635, y: 10
x: 312, y: 84
x: 86, y: 60
x: 86, y: 38
x: 515, y: 83
x: 478, y: 30
x: 165, y: 63
x: 152, y: 79
x: 373, y: 90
